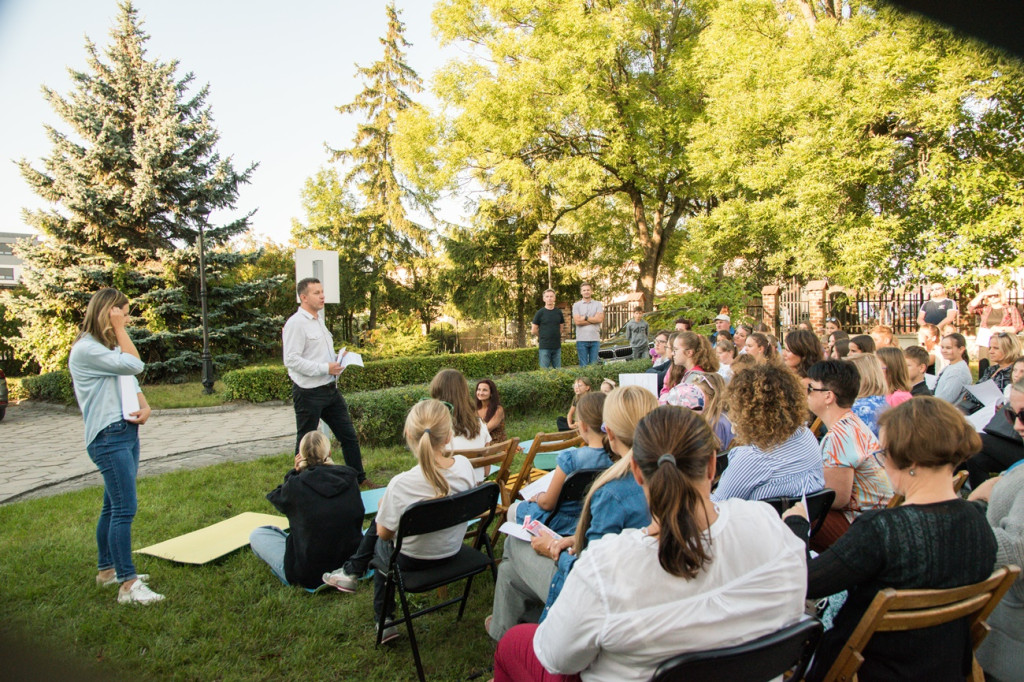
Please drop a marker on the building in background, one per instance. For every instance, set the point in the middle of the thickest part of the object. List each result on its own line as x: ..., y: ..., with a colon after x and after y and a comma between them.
x: 11, y: 265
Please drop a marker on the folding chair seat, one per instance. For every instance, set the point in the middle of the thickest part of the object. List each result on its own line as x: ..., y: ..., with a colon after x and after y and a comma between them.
x: 427, y: 517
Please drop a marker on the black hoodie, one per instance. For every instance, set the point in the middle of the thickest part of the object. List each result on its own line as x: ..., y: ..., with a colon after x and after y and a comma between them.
x: 325, y: 512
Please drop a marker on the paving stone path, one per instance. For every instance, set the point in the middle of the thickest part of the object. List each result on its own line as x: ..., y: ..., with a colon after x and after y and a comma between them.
x: 42, y: 450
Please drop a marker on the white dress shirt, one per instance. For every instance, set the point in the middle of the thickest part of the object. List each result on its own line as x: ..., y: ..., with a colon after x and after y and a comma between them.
x: 308, y: 349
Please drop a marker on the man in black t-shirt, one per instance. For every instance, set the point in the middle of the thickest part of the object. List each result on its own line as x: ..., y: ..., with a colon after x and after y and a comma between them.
x: 939, y: 311
x: 547, y: 327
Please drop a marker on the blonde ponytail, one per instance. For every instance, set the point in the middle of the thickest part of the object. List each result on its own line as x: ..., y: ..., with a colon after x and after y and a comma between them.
x: 428, y: 428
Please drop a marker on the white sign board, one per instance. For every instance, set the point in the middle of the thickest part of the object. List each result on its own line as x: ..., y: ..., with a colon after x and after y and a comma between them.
x: 644, y: 380
x: 324, y: 266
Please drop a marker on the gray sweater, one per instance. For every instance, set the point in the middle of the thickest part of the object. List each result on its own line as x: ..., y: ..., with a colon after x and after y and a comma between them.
x: 952, y: 380
x: 1002, y: 653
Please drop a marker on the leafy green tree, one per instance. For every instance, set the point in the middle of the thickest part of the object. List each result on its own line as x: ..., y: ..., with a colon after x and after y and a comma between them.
x: 571, y: 104
x: 129, y: 187
x: 393, y: 243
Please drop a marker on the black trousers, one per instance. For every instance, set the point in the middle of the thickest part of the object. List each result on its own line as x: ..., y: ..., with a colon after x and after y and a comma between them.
x: 327, y: 403
x: 997, y: 455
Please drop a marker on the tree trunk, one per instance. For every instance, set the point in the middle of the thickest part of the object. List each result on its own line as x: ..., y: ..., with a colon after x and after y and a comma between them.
x: 653, y: 238
x: 520, y: 306
x: 371, y: 323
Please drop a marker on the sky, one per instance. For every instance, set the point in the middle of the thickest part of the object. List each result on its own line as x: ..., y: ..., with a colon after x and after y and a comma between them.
x: 276, y: 72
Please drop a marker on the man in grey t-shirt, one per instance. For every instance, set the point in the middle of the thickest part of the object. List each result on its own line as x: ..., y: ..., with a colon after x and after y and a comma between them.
x: 587, y: 315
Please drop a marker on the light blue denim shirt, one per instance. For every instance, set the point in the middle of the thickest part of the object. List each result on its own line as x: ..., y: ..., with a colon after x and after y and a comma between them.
x: 564, y: 520
x: 95, y: 369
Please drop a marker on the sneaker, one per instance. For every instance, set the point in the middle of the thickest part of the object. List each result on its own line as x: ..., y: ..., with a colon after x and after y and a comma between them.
x: 390, y: 634
x: 138, y: 593
x: 113, y: 581
x: 341, y: 580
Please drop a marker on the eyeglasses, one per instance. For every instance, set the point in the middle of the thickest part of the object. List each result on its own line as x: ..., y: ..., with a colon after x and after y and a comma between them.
x: 812, y: 389
x: 1012, y: 416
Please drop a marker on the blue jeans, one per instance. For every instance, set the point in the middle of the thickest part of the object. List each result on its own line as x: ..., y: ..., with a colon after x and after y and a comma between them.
x: 587, y: 352
x: 115, y: 452
x: 268, y: 543
x: 550, y: 358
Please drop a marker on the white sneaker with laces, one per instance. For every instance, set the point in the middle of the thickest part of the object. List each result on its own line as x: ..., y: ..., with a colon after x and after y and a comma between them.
x: 113, y: 581
x: 341, y: 580
x: 138, y: 593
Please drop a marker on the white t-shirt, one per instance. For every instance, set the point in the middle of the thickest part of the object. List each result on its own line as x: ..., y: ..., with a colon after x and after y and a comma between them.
x: 410, y: 487
x: 463, y: 443
x: 621, y: 614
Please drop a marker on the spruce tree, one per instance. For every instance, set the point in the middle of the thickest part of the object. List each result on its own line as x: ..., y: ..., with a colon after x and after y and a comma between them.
x: 129, y: 186
x: 392, y: 241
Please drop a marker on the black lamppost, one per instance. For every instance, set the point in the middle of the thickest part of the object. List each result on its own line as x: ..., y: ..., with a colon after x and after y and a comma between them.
x: 207, y: 360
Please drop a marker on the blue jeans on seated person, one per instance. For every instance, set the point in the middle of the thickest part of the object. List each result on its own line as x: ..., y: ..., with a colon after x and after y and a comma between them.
x: 587, y: 352
x: 550, y: 358
x: 268, y: 543
x: 115, y: 452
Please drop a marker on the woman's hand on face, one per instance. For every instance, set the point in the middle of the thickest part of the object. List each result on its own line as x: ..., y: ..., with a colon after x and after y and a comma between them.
x: 118, y: 317
x: 141, y: 416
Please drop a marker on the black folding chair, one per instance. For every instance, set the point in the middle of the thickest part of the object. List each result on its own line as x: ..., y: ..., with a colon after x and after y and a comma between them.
x: 575, y: 487
x: 427, y: 517
x: 786, y: 652
x: 818, y: 504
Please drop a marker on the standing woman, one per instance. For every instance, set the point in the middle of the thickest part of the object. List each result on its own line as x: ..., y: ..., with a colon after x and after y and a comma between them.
x: 957, y: 374
x: 102, y: 353
x: 996, y: 316
x: 490, y: 411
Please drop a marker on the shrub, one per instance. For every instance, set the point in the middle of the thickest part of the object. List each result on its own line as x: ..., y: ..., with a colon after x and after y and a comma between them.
x: 380, y: 415
x: 390, y: 373
x: 52, y: 387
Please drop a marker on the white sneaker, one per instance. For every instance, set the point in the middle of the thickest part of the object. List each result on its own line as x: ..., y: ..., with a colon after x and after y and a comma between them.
x: 113, y: 581
x: 341, y: 580
x: 138, y: 593
x: 391, y: 633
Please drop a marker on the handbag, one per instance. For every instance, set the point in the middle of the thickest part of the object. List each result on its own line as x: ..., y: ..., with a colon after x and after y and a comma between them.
x: 1000, y: 427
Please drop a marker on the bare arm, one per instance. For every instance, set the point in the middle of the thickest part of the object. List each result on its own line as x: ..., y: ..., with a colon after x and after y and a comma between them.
x: 920, y: 317
x: 534, y: 329
x: 142, y: 414
x: 950, y: 317
x: 840, y: 479
x: 499, y: 416
x: 385, y: 533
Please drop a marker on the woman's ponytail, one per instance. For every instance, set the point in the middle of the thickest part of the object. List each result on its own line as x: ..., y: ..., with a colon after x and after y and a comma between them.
x: 428, y: 429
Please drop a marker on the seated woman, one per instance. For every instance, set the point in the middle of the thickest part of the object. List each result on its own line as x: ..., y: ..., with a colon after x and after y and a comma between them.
x: 801, y: 350
x: 468, y: 429
x: 690, y: 353
x: 934, y: 540
x: 713, y: 389
x: 830, y: 344
x: 897, y: 378
x: 490, y: 411
x: 861, y: 345
x: 593, y: 455
x: 760, y: 348
x: 870, y: 402
x: 840, y: 349
x: 1001, y: 448
x: 726, y: 351
x: 780, y: 455
x: 928, y: 338
x: 428, y: 432
x: 529, y: 579
x: 1003, y: 350
x: 1001, y: 655
x: 702, y: 575
x: 957, y: 373
x: 325, y: 517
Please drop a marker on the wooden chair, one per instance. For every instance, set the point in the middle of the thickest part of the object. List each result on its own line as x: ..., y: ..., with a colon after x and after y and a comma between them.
x: 786, y: 652
x: 898, y: 610
x: 542, y: 442
x: 959, y: 479
x: 496, y: 454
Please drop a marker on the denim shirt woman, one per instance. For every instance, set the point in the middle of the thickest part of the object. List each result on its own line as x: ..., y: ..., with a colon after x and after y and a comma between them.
x: 101, y: 356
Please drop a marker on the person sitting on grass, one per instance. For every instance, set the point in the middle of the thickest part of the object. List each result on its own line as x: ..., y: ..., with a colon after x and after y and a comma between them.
x: 325, y: 517
x: 934, y: 540
x: 428, y: 430
x: 894, y: 369
x: 529, y: 578
x: 917, y: 367
x: 779, y: 455
x: 594, y: 454
x: 700, y: 576
x: 870, y: 402
x: 847, y: 450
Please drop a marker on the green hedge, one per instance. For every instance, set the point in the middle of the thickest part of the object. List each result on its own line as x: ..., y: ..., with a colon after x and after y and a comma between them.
x: 379, y: 416
x: 259, y: 384
x: 52, y: 387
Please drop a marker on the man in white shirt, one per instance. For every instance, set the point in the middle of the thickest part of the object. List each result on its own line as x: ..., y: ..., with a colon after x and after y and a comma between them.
x: 587, y: 315
x: 313, y: 368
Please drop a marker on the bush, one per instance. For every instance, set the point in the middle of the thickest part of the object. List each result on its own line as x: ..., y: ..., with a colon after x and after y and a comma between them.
x: 255, y: 382
x: 379, y: 416
x: 52, y: 387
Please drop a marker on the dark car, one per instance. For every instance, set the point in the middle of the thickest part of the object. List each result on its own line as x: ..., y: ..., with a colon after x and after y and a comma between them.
x: 616, y: 348
x: 3, y: 395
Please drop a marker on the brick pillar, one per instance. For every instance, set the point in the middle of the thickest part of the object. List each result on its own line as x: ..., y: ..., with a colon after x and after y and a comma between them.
x: 770, y: 306
x: 817, y: 302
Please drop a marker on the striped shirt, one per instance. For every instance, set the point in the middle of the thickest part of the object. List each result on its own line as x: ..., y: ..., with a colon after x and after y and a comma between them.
x: 787, y: 470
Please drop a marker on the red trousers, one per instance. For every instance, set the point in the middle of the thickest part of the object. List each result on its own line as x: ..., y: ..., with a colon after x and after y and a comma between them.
x: 514, y: 661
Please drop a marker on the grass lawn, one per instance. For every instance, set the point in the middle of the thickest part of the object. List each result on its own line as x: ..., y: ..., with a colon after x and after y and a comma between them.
x: 227, y: 620
x: 167, y: 396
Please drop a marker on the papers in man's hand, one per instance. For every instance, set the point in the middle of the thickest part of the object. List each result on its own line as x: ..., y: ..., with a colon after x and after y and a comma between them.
x: 643, y: 380
x: 129, y: 397
x: 347, y: 359
x: 539, y: 486
x: 991, y: 398
x: 529, y: 530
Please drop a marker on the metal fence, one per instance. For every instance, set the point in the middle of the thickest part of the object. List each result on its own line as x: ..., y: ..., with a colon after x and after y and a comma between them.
x: 794, y: 307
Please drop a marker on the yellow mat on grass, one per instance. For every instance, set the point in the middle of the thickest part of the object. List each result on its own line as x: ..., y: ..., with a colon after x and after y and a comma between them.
x: 206, y: 544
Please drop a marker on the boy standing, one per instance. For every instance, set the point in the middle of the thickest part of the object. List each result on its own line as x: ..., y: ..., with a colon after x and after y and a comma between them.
x: 637, y: 331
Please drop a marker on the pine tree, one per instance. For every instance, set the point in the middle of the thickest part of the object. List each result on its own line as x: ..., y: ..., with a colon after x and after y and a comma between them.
x: 392, y: 241
x: 129, y: 187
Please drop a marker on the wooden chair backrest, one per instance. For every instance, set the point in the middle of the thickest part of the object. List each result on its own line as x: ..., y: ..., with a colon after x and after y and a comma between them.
x: 897, y: 610
x: 494, y: 454
x: 543, y: 442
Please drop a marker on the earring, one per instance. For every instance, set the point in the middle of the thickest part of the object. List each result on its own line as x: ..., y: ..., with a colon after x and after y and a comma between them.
x: 912, y: 472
